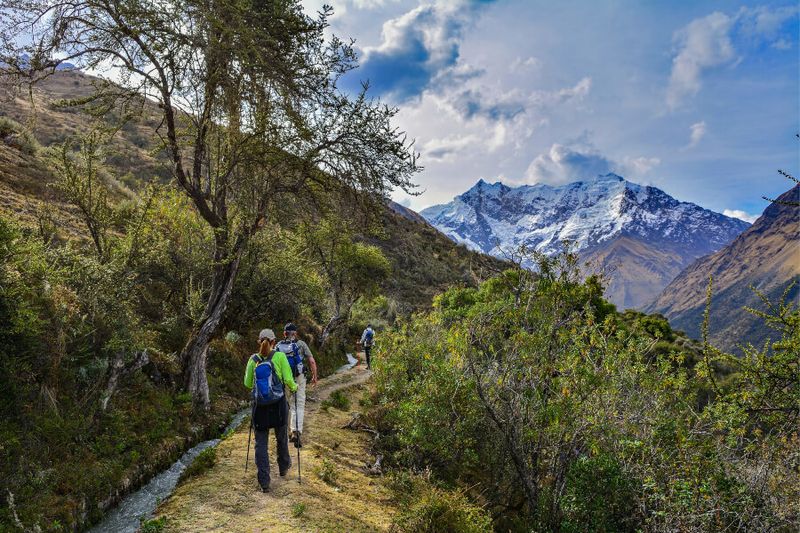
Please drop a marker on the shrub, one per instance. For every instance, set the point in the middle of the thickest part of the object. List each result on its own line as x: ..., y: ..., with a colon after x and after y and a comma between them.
x: 337, y: 400
x: 298, y: 509
x: 527, y: 378
x: 327, y: 472
x: 435, y: 510
x: 232, y: 337
x: 599, y: 496
x: 14, y: 134
x: 156, y: 525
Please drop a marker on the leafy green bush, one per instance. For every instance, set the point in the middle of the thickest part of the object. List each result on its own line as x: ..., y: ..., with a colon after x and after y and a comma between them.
x: 546, y: 392
x: 16, y: 135
x: 298, y: 509
x: 338, y: 400
x: 599, y: 496
x: 155, y: 525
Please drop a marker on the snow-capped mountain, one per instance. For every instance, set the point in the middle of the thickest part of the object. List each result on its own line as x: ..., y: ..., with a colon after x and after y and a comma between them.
x: 641, y: 233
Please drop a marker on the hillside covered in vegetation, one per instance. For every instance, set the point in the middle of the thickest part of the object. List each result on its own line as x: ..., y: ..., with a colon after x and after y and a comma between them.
x: 565, y: 415
x: 223, y: 183
x: 149, y: 230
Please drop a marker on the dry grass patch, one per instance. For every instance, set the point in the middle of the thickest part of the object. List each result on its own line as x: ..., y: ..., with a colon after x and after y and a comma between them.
x: 336, y: 493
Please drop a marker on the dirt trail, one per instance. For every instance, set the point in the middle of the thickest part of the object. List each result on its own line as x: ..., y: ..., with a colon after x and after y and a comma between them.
x: 226, y: 499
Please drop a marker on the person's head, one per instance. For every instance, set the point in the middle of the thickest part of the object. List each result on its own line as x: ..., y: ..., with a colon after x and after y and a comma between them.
x: 266, y: 341
x: 290, y: 331
x: 369, y: 326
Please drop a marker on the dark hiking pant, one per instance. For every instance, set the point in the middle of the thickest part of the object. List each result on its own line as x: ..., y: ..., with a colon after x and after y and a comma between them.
x: 262, y: 454
x: 368, y: 353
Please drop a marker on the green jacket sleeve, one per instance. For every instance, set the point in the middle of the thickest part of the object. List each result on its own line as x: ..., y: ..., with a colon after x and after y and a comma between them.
x: 283, y: 370
x: 248, y: 373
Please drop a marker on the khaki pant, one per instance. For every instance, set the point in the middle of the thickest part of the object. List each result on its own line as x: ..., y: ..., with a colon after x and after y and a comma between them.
x: 296, y: 415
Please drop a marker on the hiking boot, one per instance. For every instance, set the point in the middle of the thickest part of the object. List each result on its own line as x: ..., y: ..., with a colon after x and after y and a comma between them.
x: 284, y: 472
x: 293, y: 436
x: 265, y: 489
x: 298, y: 443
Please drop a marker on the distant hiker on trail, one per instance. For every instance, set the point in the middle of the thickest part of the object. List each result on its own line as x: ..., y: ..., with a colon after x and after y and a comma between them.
x: 296, y: 352
x: 268, y: 373
x: 367, y: 340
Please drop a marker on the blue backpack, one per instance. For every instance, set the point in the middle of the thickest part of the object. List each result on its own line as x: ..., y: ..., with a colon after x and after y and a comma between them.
x: 267, y: 387
x: 293, y: 355
x: 368, y: 335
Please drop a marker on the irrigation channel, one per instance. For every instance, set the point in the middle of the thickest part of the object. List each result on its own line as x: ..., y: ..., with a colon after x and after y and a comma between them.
x: 140, y: 505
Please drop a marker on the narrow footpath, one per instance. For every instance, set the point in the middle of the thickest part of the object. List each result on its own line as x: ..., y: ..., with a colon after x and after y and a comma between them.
x: 336, y: 494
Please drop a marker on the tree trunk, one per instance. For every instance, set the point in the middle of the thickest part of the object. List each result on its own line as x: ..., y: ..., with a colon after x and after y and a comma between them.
x: 119, y: 370
x: 510, y: 435
x: 341, y: 314
x: 195, y: 353
x: 330, y: 327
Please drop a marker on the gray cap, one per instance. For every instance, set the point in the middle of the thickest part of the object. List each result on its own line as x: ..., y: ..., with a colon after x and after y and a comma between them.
x: 266, y: 334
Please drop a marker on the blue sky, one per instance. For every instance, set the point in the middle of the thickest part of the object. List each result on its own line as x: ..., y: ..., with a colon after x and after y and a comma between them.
x: 700, y: 99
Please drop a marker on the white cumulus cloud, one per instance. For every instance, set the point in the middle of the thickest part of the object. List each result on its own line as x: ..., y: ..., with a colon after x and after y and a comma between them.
x: 696, y: 132
x: 704, y: 43
x: 708, y: 42
x: 526, y: 63
x: 564, y: 164
x: 741, y: 215
x: 638, y: 167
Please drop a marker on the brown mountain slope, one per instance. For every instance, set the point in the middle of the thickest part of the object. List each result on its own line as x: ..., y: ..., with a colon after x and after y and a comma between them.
x: 52, y: 123
x: 424, y: 261
x: 634, y: 270
x: 766, y: 257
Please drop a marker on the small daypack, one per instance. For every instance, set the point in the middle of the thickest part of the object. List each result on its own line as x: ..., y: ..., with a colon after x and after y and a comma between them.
x: 368, y: 335
x: 293, y: 355
x: 267, y: 386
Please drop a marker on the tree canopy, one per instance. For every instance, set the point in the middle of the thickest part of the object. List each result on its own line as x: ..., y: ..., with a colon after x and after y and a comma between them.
x: 253, y: 123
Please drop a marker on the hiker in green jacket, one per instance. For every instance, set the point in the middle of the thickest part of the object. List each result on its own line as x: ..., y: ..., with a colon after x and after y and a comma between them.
x: 274, y: 415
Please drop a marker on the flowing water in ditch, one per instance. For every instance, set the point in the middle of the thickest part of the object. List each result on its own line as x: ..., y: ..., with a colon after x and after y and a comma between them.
x: 139, y: 505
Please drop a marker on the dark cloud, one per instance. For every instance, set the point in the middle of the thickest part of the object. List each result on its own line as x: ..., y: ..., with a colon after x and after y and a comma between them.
x: 471, y: 103
x: 564, y: 164
x: 417, y: 47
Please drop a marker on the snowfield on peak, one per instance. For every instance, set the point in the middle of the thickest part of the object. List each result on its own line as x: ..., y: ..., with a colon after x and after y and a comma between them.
x: 497, y: 219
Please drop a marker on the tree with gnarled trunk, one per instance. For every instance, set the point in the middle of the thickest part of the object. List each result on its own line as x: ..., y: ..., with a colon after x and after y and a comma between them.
x: 252, y: 117
x: 350, y: 269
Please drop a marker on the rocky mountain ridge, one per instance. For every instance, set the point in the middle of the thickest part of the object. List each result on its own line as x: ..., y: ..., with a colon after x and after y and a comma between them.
x: 613, y: 223
x: 765, y: 258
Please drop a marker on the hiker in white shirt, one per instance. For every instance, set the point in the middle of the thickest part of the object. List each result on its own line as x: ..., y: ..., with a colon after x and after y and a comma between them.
x: 299, y: 355
x: 367, y: 340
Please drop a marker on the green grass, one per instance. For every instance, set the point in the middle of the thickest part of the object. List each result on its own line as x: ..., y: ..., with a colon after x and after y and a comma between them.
x: 427, y: 508
x: 204, y: 460
x: 298, y: 510
x: 337, y: 400
x: 156, y: 525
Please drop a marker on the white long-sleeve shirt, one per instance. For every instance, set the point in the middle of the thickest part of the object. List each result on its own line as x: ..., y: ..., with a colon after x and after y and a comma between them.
x: 364, y: 341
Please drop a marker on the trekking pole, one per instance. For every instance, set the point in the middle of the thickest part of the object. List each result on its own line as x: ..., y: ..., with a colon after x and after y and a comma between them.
x: 249, y: 435
x: 297, y: 439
